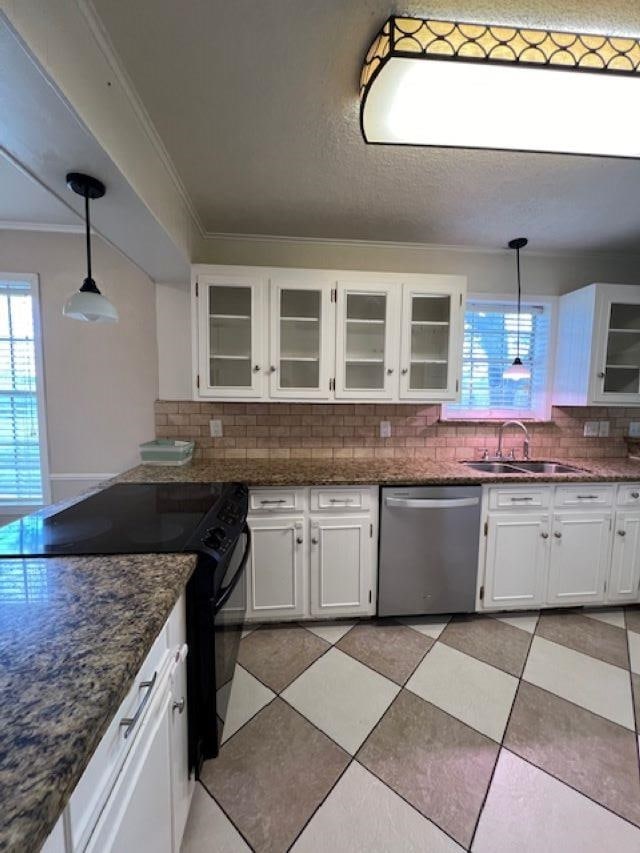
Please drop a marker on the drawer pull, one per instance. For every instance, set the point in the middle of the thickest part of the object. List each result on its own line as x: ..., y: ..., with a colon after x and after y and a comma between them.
x: 278, y: 501
x: 557, y: 534
x: 299, y: 540
x: 622, y: 532
x: 340, y: 500
x: 544, y: 535
x: 635, y: 495
x: 587, y: 497
x: 130, y: 722
x: 314, y: 540
x: 518, y: 500
x: 178, y: 705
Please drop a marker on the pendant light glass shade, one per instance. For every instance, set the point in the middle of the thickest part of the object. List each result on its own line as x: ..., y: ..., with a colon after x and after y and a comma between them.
x: 517, y: 370
x: 88, y: 304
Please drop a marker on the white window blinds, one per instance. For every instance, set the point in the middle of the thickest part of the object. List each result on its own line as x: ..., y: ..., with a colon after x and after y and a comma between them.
x: 490, y: 346
x: 20, y: 458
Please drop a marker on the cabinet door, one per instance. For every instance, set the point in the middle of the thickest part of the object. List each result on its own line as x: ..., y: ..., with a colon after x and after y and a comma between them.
x: 617, y: 348
x: 580, y: 551
x: 277, y: 568
x: 517, y: 559
x: 431, y: 341
x: 232, y: 318
x: 302, y: 339
x: 137, y: 815
x: 624, y: 581
x: 366, y: 340
x: 341, y: 565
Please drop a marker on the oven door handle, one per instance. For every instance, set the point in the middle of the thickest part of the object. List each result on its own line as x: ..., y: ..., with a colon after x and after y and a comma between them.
x: 431, y: 503
x: 225, y: 592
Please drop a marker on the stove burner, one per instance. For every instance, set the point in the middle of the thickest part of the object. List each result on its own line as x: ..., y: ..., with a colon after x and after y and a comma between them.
x: 70, y: 532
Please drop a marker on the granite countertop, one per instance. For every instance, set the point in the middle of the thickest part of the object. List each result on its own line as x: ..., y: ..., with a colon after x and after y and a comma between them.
x: 74, y: 632
x: 411, y: 471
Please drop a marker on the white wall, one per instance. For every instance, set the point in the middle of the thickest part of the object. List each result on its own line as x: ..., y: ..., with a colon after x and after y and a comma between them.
x: 100, y: 380
x: 487, y: 272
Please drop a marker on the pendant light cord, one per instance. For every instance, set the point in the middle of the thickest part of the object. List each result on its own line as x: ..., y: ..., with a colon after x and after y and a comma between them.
x: 88, y: 232
x: 518, y: 326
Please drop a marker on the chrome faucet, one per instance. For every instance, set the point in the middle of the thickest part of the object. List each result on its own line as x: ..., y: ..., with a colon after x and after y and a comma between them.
x: 525, y: 443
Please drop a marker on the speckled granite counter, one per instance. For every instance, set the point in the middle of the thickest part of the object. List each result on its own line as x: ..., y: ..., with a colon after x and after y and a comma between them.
x: 73, y: 634
x: 412, y: 471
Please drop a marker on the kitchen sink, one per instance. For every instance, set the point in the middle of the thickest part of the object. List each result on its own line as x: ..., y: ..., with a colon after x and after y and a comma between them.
x: 494, y: 467
x: 524, y: 467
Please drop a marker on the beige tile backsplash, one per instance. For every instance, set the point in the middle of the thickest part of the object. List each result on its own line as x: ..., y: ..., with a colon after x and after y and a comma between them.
x: 340, y: 431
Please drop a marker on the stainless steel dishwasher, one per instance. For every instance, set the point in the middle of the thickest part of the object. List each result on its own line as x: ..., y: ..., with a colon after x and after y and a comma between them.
x: 429, y: 540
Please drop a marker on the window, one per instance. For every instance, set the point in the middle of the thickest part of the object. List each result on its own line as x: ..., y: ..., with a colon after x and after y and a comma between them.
x: 490, y: 346
x: 22, y: 456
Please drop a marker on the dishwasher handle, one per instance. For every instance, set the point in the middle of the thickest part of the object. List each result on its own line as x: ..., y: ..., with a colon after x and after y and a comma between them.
x: 431, y: 503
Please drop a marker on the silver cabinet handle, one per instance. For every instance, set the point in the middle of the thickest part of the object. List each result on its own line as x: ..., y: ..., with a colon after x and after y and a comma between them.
x: 299, y: 540
x: 518, y: 500
x: 587, y: 497
x: 340, y: 500
x: 544, y: 535
x: 557, y: 534
x: 389, y: 371
x: 256, y: 368
x: 272, y: 369
x: 635, y: 495
x: 278, y: 501
x: 314, y: 540
x: 178, y: 705
x: 130, y: 722
x: 404, y: 371
x: 622, y: 532
x: 431, y: 503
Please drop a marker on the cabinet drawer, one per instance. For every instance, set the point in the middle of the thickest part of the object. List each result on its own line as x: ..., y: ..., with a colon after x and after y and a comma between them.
x: 95, y: 785
x: 584, y: 495
x: 334, y: 499
x: 276, y: 500
x: 629, y: 495
x: 515, y: 498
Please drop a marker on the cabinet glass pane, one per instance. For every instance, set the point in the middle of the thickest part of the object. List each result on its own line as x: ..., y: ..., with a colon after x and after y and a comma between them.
x: 622, y: 367
x: 429, y: 342
x: 229, y: 336
x: 300, y: 321
x: 364, y: 341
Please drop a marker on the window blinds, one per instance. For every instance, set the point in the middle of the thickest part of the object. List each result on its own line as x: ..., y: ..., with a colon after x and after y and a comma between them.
x: 490, y: 346
x: 20, y: 468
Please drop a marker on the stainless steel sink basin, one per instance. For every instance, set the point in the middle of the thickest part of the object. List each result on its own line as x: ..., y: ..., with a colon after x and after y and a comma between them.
x: 524, y: 467
x: 494, y: 467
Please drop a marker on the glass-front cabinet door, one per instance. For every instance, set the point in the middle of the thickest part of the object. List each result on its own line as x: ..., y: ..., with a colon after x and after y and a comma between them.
x: 430, y: 336
x: 231, y: 326
x: 618, y: 371
x: 301, y: 339
x: 366, y: 340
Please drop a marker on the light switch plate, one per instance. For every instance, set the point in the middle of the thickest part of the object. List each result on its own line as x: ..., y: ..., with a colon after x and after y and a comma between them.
x: 634, y: 428
x: 215, y: 428
x: 603, y: 432
x: 385, y: 429
x: 591, y: 429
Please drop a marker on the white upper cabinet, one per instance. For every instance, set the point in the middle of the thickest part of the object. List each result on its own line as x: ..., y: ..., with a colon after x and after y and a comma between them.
x: 231, y: 335
x: 366, y: 339
x: 302, y: 337
x: 301, y: 334
x: 431, y: 338
x: 598, y: 352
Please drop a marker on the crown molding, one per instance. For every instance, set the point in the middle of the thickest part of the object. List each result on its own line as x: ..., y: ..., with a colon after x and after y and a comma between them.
x: 99, y: 32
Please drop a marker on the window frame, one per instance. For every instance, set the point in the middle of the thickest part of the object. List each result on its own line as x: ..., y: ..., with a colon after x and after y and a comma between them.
x: 19, y: 509
x: 543, y: 412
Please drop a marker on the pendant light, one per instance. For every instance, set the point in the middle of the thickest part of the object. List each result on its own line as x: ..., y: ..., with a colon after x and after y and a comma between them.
x: 88, y: 304
x: 517, y: 370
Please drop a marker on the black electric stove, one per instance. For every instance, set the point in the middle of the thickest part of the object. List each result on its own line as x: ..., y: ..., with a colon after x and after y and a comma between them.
x: 208, y: 519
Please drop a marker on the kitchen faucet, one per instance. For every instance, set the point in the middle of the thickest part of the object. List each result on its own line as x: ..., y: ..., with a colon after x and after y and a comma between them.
x: 525, y: 443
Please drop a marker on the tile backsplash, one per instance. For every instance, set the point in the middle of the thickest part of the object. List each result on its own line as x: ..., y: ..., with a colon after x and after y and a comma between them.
x: 346, y: 431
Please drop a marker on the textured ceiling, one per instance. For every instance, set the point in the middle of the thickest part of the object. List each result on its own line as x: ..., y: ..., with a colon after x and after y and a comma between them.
x: 257, y: 105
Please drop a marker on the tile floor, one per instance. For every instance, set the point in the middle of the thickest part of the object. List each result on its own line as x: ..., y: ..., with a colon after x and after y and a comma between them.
x: 476, y: 733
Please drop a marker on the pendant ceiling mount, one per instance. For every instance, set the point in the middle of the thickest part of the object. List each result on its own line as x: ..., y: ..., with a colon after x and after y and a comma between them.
x: 449, y: 84
x: 85, y: 185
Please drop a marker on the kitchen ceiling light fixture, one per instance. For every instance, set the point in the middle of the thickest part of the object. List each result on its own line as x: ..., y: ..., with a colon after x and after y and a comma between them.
x: 446, y: 84
x: 517, y: 370
x: 88, y: 304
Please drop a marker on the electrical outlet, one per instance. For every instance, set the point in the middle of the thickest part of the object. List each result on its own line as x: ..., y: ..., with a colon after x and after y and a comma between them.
x: 591, y: 429
x: 215, y: 428
x: 385, y: 429
x: 603, y: 432
x: 634, y: 429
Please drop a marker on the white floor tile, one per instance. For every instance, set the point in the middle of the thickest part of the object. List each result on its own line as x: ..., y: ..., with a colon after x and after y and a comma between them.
x: 248, y: 696
x: 634, y: 650
x: 530, y: 811
x: 362, y: 815
x: 208, y: 828
x: 431, y: 626
x: 476, y: 693
x: 611, y: 615
x: 329, y: 631
x: 342, y: 697
x: 525, y: 621
x: 598, y: 686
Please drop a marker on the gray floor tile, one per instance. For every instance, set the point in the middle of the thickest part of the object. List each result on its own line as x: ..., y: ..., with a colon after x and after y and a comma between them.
x: 391, y: 649
x: 435, y: 762
x: 596, y: 756
x: 273, y: 774
x: 491, y: 640
x: 632, y: 616
x: 635, y: 686
x: 584, y: 634
x: 276, y: 655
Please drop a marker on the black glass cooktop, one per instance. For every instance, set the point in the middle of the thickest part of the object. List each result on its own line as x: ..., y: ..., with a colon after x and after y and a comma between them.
x: 126, y: 518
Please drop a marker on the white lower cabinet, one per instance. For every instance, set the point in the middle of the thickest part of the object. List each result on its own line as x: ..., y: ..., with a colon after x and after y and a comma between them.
x: 517, y: 554
x: 579, y: 561
x: 320, y: 561
x: 624, y: 582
